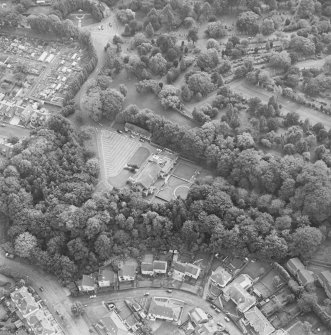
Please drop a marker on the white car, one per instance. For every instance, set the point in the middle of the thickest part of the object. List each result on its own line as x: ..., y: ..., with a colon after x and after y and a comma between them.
x: 226, y: 319
x: 93, y: 296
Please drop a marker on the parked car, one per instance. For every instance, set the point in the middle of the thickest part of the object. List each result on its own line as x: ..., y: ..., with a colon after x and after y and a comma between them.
x: 146, y: 294
x: 226, y: 319
x: 220, y: 324
x: 119, y: 131
x: 212, y: 306
x: 209, y: 316
x: 41, y: 288
x: 169, y: 291
x: 8, y: 255
x: 217, y: 310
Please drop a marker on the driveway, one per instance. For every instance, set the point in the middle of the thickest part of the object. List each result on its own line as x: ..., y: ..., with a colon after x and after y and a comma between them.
x: 188, y: 298
x: 55, y: 296
x: 250, y: 91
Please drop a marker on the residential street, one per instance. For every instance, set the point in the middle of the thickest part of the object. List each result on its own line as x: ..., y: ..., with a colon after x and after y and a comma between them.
x: 55, y: 296
x: 189, y: 299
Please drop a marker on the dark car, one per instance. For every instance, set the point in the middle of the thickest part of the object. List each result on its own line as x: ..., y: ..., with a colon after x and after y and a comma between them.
x: 41, y: 288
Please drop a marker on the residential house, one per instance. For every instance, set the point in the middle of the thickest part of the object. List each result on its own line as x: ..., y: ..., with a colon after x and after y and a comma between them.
x: 294, y: 265
x: 161, y: 312
x: 160, y: 267
x: 112, y: 324
x: 192, y: 270
x: 185, y: 269
x: 86, y: 284
x: 206, y: 328
x: 41, y: 324
x: 24, y: 301
x: 255, y: 319
x: 106, y: 278
x: 305, y: 277
x: 243, y: 300
x: 179, y: 270
x: 127, y: 272
x: 220, y: 277
x: 244, y: 280
x: 280, y: 332
x: 324, y: 279
x: 198, y: 316
x: 147, y: 269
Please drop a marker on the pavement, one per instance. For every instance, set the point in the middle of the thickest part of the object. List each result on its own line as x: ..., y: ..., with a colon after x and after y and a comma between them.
x: 189, y: 299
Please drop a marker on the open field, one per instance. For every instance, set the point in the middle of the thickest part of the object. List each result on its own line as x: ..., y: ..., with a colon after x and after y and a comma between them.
x: 117, y: 150
x: 139, y: 156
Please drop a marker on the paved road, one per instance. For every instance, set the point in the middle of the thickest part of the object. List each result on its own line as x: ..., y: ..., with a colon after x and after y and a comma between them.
x: 189, y: 299
x: 249, y: 91
x: 55, y: 296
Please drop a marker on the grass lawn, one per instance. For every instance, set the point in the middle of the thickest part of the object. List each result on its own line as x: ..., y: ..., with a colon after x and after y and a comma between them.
x: 139, y: 156
x: 265, y: 285
x: 255, y: 269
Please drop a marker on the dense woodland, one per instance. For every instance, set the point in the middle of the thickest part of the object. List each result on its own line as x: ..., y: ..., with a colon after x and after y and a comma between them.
x: 269, y: 206
x: 272, y: 192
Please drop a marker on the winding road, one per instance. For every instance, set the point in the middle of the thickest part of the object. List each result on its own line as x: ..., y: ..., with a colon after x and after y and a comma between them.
x: 54, y: 295
x: 189, y: 299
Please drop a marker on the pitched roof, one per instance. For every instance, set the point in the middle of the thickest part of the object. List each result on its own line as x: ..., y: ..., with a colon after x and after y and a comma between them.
x: 147, y: 267
x: 40, y: 323
x: 161, y: 310
x: 259, y: 322
x: 221, y: 276
x: 305, y: 277
x: 325, y: 276
x: 24, y: 301
x: 88, y: 280
x: 240, y: 297
x: 149, y: 175
x: 192, y: 269
x: 107, y: 275
x: 113, y: 325
x: 127, y: 270
x: 294, y: 264
x: 198, y: 315
x: 160, y: 265
x: 178, y: 266
x: 244, y: 280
